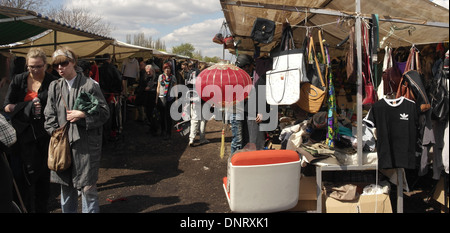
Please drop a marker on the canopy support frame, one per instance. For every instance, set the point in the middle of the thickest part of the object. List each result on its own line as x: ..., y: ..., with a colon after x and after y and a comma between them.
x: 329, y: 12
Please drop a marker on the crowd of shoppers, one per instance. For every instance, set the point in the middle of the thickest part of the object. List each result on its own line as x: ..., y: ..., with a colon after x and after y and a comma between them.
x: 44, y: 97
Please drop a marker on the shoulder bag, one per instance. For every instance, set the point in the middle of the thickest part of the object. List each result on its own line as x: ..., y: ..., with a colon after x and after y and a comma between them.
x: 391, y: 76
x: 350, y: 58
x: 312, y: 96
x: 312, y: 71
x: 283, y: 81
x: 228, y: 40
x: 218, y: 38
x: 439, y: 96
x: 59, y: 151
x: 370, y: 93
x: 263, y: 30
x: 411, y: 86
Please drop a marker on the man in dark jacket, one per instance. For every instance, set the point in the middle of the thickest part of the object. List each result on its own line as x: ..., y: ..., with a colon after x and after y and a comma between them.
x: 110, y: 78
x: 238, y: 118
x: 111, y: 85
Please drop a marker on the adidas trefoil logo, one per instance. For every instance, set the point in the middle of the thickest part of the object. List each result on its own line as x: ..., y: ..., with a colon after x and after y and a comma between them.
x: 404, y: 116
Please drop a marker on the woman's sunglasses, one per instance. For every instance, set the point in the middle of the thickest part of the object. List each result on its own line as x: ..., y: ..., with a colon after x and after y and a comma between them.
x: 62, y: 64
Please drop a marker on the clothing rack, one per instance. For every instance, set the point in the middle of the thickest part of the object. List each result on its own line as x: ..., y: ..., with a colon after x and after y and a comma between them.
x: 360, y: 166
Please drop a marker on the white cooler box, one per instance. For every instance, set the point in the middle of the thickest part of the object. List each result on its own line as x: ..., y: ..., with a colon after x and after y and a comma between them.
x: 263, y: 181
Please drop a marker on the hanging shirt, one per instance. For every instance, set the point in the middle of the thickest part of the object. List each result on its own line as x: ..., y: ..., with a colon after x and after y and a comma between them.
x: 130, y: 68
x: 396, y: 123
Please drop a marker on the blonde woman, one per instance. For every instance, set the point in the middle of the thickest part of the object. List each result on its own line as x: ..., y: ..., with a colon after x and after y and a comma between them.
x: 85, y: 132
x: 24, y: 102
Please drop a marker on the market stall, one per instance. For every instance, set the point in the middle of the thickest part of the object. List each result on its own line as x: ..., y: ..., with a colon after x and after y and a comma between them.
x: 399, y: 24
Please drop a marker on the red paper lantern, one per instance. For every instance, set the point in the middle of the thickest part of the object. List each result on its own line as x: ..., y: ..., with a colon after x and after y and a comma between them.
x: 224, y: 84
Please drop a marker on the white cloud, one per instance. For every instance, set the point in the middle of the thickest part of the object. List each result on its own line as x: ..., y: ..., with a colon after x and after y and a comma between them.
x: 174, y: 21
x: 167, y: 12
x: 200, y: 35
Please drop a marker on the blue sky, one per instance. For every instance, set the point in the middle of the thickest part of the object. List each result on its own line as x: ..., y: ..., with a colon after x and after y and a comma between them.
x: 174, y: 21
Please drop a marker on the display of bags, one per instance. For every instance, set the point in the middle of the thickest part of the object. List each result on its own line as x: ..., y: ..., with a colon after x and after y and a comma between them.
x: 224, y: 37
x: 286, y: 56
x: 313, y: 96
x: 283, y: 81
x: 391, y: 76
x: 411, y: 85
x: 228, y: 42
x: 413, y: 62
x: 263, y: 30
x: 59, y: 152
x: 370, y: 96
x: 350, y: 57
x: 404, y: 89
x: 218, y: 38
x: 312, y: 70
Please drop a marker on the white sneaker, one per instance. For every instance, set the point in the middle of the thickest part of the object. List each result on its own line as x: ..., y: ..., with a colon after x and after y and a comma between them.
x: 191, y: 142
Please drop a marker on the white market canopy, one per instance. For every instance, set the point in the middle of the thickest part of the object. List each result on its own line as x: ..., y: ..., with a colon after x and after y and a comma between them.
x: 22, y: 29
x: 401, y: 22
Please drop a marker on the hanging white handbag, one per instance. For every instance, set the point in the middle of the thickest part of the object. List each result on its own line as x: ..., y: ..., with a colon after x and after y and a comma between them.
x: 283, y: 82
x: 283, y: 87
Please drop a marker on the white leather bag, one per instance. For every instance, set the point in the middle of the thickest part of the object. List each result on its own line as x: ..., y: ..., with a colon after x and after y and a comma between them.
x: 283, y: 86
x: 283, y: 81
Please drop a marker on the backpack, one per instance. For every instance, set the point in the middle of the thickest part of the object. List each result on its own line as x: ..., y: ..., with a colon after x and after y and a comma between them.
x: 263, y: 30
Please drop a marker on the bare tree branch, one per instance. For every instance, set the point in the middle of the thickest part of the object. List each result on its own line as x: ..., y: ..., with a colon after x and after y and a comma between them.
x: 81, y: 18
x: 35, y: 5
x: 140, y: 40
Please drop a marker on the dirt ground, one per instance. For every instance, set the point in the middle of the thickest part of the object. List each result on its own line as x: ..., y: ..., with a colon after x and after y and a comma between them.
x: 141, y: 173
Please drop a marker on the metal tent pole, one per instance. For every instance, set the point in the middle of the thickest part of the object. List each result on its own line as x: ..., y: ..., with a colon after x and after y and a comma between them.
x: 359, y: 81
x: 55, y: 40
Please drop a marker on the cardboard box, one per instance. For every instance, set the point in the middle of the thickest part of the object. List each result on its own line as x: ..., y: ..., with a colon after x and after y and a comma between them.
x: 364, y: 204
x: 276, y: 146
x: 308, y: 188
x: 335, y: 206
x: 307, y: 198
